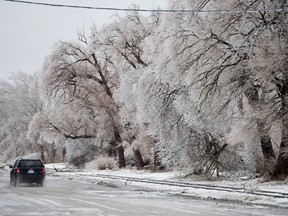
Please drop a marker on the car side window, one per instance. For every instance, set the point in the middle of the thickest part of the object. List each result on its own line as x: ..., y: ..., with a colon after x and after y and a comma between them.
x: 15, y: 164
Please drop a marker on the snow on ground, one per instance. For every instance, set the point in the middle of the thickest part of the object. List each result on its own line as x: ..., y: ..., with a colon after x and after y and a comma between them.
x: 253, y: 185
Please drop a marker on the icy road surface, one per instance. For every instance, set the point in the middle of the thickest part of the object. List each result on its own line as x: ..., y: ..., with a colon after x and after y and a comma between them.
x: 66, y: 197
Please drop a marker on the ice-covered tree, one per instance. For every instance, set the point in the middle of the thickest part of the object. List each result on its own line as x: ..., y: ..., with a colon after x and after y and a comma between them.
x: 88, y: 72
x: 82, y: 78
x: 130, y: 39
x: 232, y: 65
x: 217, y: 73
x: 20, y: 100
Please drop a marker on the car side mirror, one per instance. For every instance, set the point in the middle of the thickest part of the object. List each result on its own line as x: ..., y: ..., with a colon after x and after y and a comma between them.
x: 10, y: 166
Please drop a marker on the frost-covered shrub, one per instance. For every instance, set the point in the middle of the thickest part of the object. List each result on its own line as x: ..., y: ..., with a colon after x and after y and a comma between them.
x: 102, y: 163
x: 80, y: 152
x: 129, y: 156
x: 179, y: 147
x: 232, y: 163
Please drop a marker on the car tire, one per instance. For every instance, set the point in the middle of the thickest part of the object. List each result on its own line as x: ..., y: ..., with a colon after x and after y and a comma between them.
x: 40, y: 184
x: 15, y: 182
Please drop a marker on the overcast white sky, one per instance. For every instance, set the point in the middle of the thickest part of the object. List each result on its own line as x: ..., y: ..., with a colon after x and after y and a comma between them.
x: 27, y: 32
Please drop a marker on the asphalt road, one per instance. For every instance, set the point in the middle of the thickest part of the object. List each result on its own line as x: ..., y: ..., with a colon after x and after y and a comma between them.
x: 67, y: 197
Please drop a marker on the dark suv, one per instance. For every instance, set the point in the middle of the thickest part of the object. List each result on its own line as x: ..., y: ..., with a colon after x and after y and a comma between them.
x: 27, y: 171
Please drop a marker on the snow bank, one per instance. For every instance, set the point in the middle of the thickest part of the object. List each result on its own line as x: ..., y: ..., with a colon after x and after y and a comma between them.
x: 245, y: 195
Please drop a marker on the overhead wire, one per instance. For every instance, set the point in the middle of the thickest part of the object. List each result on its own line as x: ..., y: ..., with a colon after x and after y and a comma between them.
x: 285, y: 9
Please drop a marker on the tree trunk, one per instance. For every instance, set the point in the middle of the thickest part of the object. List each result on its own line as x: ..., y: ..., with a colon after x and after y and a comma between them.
x: 268, y: 154
x: 112, y: 152
x: 281, y: 169
x: 64, y: 152
x: 139, y: 160
x: 121, y: 157
x: 157, y: 161
x: 267, y: 149
x: 42, y: 154
x: 53, y: 154
x: 117, y: 141
x: 265, y: 140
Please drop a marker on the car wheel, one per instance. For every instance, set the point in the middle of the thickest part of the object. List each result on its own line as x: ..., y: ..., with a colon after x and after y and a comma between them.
x: 15, y: 182
x: 40, y: 184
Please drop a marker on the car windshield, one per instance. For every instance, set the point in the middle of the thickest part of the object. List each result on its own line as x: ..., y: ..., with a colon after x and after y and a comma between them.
x: 31, y: 163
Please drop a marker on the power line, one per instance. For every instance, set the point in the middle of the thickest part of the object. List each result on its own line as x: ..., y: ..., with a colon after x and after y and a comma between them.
x: 150, y: 10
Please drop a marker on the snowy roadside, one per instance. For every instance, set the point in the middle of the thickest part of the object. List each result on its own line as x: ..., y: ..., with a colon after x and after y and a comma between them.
x: 119, y: 178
